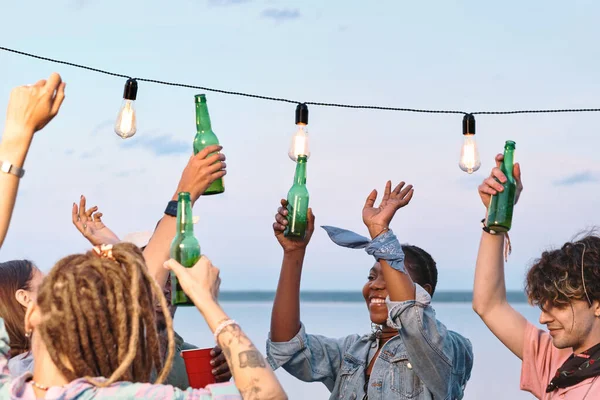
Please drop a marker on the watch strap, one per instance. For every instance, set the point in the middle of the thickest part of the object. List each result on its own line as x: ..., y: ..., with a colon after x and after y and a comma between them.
x: 171, y: 208
x: 11, y: 169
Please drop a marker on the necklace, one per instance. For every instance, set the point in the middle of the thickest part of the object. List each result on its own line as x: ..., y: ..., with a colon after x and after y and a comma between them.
x: 37, y: 385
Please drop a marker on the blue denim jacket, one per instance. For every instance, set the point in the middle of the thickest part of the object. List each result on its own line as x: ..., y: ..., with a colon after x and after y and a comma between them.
x: 424, y: 361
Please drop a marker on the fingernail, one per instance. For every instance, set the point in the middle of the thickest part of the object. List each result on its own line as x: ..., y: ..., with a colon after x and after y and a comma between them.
x: 212, y: 362
x: 214, y: 371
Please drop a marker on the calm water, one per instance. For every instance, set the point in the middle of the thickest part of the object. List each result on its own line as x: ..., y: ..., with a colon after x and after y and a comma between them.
x: 495, y: 373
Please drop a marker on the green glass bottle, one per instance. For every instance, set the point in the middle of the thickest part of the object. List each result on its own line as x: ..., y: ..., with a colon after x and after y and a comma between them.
x: 205, y: 137
x: 500, y: 211
x: 298, y: 202
x: 185, y: 248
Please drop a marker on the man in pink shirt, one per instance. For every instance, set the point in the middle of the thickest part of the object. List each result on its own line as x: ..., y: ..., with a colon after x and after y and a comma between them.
x: 563, y: 363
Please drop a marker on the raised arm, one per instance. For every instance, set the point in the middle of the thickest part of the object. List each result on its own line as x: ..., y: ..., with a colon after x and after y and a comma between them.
x: 285, y: 317
x: 30, y: 108
x: 201, y: 170
x: 89, y: 223
x: 442, y: 359
x: 489, y: 291
x: 399, y: 285
x: 253, y: 377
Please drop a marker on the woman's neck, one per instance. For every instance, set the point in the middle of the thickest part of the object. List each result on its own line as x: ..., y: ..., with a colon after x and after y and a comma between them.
x: 45, y: 372
x: 386, y: 334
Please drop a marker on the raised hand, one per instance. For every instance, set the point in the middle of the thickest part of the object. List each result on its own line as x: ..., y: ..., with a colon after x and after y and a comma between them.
x: 377, y: 219
x: 201, y: 282
x: 31, y: 107
x: 201, y: 171
x: 493, y: 184
x: 89, y: 224
x: 281, y: 222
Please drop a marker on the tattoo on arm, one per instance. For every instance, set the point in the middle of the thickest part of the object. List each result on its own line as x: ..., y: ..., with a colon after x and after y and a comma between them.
x: 251, y: 391
x: 251, y: 359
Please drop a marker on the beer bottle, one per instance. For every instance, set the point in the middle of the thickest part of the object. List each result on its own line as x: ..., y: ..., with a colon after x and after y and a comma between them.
x: 500, y: 211
x: 185, y: 248
x: 298, y: 202
x: 205, y: 137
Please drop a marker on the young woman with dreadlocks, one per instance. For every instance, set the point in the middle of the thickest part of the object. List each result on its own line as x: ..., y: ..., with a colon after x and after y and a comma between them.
x: 93, y: 333
x: 410, y: 354
x: 564, y: 362
x: 19, y: 279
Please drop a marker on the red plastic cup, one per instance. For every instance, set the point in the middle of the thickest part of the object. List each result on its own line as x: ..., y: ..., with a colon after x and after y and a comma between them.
x: 197, y: 365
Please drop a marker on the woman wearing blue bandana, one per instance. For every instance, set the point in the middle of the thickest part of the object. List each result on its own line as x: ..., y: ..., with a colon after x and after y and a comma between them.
x: 410, y: 356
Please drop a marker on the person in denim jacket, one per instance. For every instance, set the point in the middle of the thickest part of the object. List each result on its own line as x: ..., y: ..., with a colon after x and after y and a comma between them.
x: 410, y: 356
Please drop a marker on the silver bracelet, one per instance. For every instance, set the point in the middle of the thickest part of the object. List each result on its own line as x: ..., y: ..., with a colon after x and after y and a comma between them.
x: 11, y: 169
x: 222, y: 326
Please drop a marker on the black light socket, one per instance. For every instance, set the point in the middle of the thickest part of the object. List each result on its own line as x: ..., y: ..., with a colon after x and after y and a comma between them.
x: 469, y: 124
x: 130, y: 91
x: 302, y: 114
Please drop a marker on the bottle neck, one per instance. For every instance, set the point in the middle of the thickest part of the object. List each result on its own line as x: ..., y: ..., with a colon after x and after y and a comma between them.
x: 300, y: 175
x: 185, y: 220
x: 202, y: 118
x: 509, y: 162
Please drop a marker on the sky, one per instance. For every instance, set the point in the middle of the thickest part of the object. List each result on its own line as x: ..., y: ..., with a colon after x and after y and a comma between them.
x: 461, y: 54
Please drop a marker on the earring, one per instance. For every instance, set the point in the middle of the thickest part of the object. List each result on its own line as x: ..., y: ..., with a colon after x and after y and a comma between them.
x: 28, y: 333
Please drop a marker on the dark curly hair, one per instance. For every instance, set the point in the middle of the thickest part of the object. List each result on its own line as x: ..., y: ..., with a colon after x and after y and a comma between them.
x: 423, y: 269
x: 569, y: 273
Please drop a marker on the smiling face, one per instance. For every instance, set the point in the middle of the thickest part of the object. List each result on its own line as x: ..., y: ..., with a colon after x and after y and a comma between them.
x: 572, y: 326
x: 375, y: 293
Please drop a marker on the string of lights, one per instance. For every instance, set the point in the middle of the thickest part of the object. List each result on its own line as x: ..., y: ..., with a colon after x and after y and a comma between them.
x: 126, y: 120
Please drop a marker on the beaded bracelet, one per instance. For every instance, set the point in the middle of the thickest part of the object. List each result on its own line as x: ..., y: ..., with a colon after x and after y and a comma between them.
x: 507, y: 245
x: 222, y: 326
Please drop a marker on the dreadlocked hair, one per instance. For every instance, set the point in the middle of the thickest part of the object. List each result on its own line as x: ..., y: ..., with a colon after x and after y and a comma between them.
x: 98, y: 318
x: 569, y: 273
x: 422, y: 266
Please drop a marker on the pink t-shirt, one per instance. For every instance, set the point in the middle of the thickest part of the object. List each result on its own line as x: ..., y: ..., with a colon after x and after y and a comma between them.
x: 540, y: 362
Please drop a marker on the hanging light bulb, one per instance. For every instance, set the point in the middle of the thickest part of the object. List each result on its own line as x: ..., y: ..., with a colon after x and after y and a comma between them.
x: 299, y: 145
x: 469, y: 154
x: 125, y: 126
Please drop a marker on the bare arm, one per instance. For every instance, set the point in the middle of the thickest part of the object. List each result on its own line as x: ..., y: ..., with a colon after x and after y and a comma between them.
x: 489, y: 291
x: 14, y: 153
x: 253, y: 377
x: 489, y: 295
x: 30, y: 108
x: 200, y: 172
x: 285, y: 317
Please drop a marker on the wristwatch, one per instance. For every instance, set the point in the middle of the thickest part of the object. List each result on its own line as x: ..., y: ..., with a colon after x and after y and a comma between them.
x: 171, y: 208
x: 8, y: 168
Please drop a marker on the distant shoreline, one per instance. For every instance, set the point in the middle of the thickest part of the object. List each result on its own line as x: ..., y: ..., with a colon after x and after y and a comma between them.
x: 353, y: 297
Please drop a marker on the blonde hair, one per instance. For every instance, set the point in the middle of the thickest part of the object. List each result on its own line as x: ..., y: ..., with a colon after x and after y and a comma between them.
x: 98, y: 318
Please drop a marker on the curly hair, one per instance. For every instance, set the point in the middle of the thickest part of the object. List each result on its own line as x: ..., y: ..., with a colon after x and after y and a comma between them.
x: 569, y: 273
x: 98, y: 318
x: 422, y: 266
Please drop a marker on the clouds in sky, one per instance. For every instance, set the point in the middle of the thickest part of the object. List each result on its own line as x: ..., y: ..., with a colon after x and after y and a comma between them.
x: 159, y: 145
x: 281, y: 14
x: 580, y: 177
